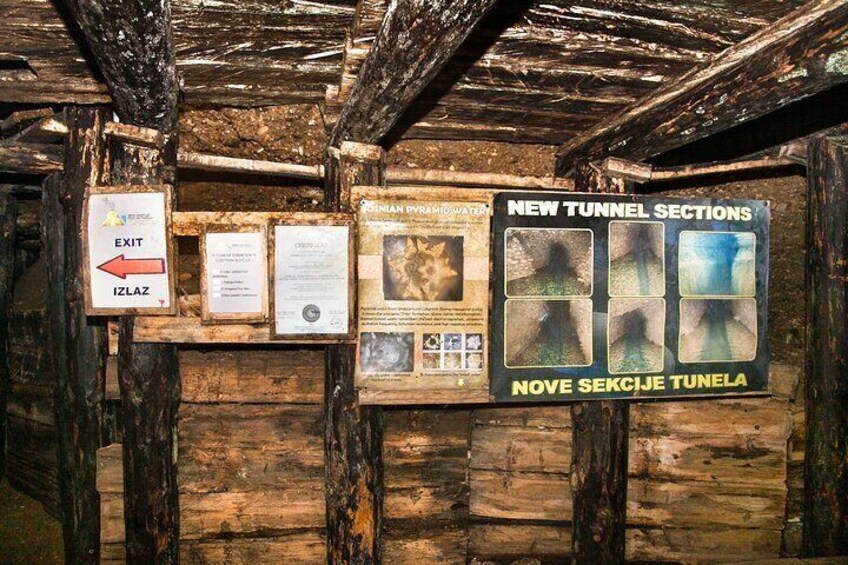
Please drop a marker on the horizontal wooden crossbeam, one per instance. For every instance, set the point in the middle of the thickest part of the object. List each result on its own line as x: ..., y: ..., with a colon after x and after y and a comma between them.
x: 800, y: 55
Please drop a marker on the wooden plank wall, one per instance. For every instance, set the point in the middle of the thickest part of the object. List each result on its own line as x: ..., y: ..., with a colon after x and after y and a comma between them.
x: 251, y: 471
x: 32, y: 455
x: 708, y: 478
x: 707, y: 481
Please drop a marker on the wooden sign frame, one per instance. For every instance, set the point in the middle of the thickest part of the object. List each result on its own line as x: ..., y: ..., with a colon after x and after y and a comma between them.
x: 170, y: 262
x: 310, y: 220
x: 208, y: 317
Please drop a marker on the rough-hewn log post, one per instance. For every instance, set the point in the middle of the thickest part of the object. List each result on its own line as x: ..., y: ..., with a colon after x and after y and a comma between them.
x: 7, y: 276
x: 599, y: 452
x: 353, y: 434
x: 826, y: 460
x: 78, y: 343
x: 148, y: 375
x: 133, y: 45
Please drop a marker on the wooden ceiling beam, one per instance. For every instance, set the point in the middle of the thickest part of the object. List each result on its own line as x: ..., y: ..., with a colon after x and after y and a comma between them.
x: 415, y: 41
x: 132, y: 43
x: 802, y: 54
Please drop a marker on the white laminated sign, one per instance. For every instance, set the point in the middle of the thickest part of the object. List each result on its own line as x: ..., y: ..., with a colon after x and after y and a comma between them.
x: 312, y: 291
x: 126, y: 237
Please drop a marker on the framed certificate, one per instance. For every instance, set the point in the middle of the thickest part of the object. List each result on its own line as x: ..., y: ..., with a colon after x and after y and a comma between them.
x: 234, y: 274
x: 312, y: 272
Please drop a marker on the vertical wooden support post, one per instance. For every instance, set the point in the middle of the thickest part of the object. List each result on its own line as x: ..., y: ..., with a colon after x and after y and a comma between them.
x: 353, y: 434
x: 599, y: 453
x: 148, y: 375
x: 826, y: 463
x: 7, y: 276
x: 78, y: 344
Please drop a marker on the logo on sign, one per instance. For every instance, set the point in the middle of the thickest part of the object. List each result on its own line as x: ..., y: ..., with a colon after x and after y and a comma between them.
x: 311, y: 313
x: 113, y: 219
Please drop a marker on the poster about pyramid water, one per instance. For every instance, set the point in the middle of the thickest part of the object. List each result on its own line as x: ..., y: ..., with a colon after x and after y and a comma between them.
x: 423, y: 301
x: 605, y: 296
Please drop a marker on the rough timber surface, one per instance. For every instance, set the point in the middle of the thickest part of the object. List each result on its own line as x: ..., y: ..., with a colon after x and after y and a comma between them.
x: 557, y: 68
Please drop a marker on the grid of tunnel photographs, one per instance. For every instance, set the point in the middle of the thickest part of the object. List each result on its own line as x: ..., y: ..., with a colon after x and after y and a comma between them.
x: 718, y: 308
x: 636, y: 307
x: 548, y: 285
x: 586, y: 298
x: 548, y: 319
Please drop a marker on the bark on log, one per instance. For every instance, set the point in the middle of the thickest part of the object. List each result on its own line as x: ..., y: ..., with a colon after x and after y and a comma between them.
x: 797, y: 56
x: 826, y: 465
x: 78, y: 345
x: 353, y: 434
x: 148, y: 376
x: 133, y: 46
x: 599, y: 457
x: 415, y: 41
x: 34, y: 158
x: 7, y: 273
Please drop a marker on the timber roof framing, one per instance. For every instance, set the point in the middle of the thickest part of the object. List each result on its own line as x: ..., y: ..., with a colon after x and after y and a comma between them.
x: 802, y: 54
x: 535, y: 71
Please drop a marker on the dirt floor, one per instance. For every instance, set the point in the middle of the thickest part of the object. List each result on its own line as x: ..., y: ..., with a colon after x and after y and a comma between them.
x: 28, y: 534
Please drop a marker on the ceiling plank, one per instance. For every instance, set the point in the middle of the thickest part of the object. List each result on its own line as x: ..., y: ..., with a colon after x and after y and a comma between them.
x: 415, y: 40
x: 802, y: 54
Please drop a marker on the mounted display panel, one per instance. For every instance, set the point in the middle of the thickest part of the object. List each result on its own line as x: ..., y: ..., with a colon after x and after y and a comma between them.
x: 601, y: 296
x: 312, y: 272
x: 128, y: 262
x: 234, y: 274
x: 423, y: 301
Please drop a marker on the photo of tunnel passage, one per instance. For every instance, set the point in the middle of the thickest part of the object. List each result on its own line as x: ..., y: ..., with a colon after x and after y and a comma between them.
x: 718, y: 330
x: 635, y: 331
x: 717, y: 263
x: 548, y: 262
x: 636, y: 254
x: 548, y: 333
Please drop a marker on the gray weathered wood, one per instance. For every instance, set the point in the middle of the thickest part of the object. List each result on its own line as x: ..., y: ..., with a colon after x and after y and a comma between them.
x: 800, y: 55
x: 416, y: 39
x: 132, y: 44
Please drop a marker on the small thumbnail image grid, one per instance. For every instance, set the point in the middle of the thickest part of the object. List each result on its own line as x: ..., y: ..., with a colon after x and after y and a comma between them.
x: 453, y: 351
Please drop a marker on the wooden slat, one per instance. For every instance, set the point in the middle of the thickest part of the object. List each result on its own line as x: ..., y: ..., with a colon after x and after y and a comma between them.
x: 230, y: 448
x: 31, y: 402
x: 263, y: 376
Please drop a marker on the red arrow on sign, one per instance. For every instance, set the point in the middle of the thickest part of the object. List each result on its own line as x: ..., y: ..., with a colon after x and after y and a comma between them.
x: 121, y: 267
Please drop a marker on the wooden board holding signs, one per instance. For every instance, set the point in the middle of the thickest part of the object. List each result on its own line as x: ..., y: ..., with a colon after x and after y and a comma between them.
x: 599, y: 296
x: 312, y: 274
x: 234, y: 274
x: 128, y: 251
x: 423, y: 300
